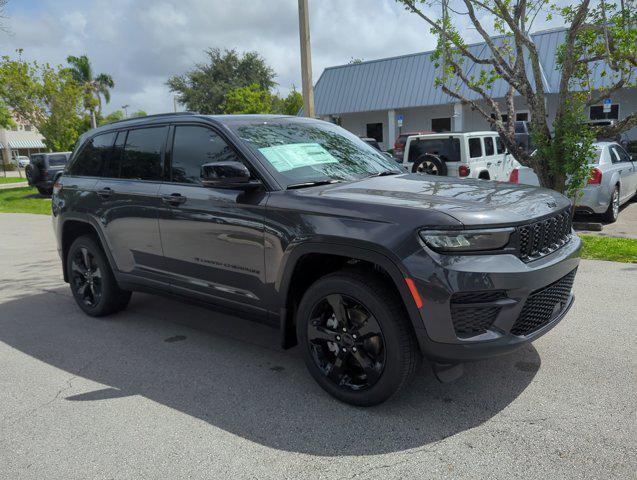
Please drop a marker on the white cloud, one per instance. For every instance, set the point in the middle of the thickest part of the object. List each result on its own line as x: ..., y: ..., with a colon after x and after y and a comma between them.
x: 142, y: 43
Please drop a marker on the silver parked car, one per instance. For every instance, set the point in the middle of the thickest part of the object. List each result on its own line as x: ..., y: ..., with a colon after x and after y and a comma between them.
x: 613, y: 181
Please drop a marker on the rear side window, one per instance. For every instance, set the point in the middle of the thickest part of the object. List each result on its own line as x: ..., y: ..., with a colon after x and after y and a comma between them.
x: 90, y: 160
x: 57, y: 160
x: 475, y: 147
x: 194, y: 146
x: 488, y: 146
x: 499, y: 145
x: 141, y: 158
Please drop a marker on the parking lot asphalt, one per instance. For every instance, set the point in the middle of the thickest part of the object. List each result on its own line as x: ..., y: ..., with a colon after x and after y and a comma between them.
x: 625, y: 226
x: 170, y: 390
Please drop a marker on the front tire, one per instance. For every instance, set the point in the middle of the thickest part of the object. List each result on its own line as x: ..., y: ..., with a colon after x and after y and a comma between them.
x: 92, y: 281
x: 612, y: 212
x: 356, y: 339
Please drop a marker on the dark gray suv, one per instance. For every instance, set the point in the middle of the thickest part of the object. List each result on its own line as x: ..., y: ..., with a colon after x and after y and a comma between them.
x: 298, y: 223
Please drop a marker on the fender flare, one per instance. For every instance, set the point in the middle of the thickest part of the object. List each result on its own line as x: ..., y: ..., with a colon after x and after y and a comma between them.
x: 93, y: 224
x: 359, y: 252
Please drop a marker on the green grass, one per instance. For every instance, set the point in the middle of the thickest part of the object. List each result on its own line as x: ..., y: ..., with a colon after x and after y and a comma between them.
x: 12, y: 179
x: 24, y: 200
x: 609, y: 248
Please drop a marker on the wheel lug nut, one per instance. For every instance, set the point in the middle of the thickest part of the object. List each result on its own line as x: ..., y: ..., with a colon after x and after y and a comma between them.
x: 354, y: 337
x: 345, y: 349
x: 353, y: 349
x: 338, y: 338
x: 344, y: 329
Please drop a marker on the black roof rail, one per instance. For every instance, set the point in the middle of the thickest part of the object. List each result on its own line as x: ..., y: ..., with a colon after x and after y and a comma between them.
x: 171, y: 114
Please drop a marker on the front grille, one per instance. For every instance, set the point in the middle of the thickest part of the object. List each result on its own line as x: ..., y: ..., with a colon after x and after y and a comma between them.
x: 470, y: 319
x: 540, y: 307
x: 541, y: 238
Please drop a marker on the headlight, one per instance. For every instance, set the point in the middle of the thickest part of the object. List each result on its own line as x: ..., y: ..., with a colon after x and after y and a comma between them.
x: 466, y: 240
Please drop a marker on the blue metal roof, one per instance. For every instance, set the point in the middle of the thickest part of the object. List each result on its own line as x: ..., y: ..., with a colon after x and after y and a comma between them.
x: 408, y: 80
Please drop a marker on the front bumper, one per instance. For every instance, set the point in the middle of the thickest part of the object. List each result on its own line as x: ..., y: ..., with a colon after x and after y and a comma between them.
x: 441, y: 278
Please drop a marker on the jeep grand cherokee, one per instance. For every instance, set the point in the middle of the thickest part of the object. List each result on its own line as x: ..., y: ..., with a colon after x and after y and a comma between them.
x: 300, y: 224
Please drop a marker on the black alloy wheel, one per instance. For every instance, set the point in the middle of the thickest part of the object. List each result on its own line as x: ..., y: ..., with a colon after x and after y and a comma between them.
x: 86, y: 277
x: 347, y: 342
x: 356, y: 337
x: 93, y: 284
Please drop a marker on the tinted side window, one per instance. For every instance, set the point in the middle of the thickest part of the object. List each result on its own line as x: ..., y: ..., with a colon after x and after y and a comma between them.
x: 192, y: 147
x: 141, y: 159
x: 475, y: 147
x: 621, y: 153
x: 488, y: 146
x: 499, y: 145
x: 89, y: 162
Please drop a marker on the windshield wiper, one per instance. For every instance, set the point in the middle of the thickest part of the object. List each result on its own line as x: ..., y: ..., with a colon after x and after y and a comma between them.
x: 384, y: 173
x: 311, y: 184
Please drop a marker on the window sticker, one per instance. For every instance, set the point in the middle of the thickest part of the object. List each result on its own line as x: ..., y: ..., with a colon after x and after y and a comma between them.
x: 295, y: 155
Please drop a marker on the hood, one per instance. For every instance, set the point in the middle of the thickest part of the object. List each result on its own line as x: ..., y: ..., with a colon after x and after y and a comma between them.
x: 471, y: 202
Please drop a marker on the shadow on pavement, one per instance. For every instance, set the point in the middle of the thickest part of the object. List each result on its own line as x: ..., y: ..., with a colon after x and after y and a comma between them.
x: 229, y: 372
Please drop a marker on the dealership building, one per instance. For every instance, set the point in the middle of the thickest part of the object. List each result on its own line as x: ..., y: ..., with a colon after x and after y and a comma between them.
x: 380, y: 98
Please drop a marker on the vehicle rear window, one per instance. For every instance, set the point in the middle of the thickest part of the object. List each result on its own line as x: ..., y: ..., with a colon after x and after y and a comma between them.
x: 90, y: 160
x: 448, y: 149
x: 488, y: 146
x: 141, y: 159
x: 475, y: 147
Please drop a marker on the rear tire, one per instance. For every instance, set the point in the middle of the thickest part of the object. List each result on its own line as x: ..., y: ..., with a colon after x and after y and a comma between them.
x: 45, y: 192
x: 371, y: 355
x: 430, y: 165
x: 92, y: 282
x: 612, y: 212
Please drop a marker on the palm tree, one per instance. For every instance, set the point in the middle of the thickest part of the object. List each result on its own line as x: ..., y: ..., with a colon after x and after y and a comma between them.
x: 95, y: 87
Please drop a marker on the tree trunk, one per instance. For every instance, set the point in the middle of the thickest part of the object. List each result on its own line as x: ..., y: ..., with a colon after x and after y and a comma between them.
x: 93, y: 120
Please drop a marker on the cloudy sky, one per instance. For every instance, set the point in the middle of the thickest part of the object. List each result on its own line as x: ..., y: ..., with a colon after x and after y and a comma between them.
x: 143, y: 42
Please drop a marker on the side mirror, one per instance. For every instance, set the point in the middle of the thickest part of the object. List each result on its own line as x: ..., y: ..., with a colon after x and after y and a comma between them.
x: 225, y: 175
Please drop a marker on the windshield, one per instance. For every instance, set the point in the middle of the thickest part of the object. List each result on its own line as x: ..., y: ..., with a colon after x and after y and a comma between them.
x: 300, y: 152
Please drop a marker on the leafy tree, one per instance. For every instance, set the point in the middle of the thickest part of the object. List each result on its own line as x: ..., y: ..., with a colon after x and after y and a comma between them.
x: 112, y: 117
x: 204, y: 88
x: 251, y: 99
x: 603, y: 34
x: 139, y: 113
x: 289, y: 105
x: 95, y: 87
x: 47, y: 97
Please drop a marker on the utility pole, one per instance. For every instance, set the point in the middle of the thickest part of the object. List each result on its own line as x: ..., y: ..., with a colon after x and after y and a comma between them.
x: 125, y: 108
x: 306, y: 60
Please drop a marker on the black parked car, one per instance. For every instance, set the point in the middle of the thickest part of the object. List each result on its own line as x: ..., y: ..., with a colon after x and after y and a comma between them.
x: 300, y: 224
x: 42, y: 169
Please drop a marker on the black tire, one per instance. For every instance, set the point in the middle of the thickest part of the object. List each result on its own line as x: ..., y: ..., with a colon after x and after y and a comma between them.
x: 110, y: 298
x: 396, y: 344
x: 612, y: 212
x: 45, y: 192
x: 430, y: 165
x: 31, y: 174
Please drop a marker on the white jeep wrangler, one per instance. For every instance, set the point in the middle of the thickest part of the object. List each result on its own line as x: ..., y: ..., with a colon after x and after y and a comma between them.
x: 469, y: 155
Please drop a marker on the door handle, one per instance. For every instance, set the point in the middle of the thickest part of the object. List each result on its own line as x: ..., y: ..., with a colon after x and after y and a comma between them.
x: 174, y: 199
x: 105, y: 192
